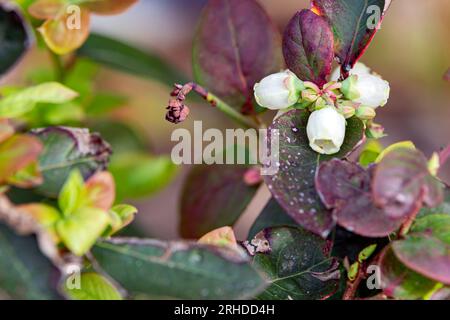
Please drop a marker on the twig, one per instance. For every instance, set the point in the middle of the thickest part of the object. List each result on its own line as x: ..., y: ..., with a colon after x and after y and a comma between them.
x: 178, y: 111
x: 352, y: 286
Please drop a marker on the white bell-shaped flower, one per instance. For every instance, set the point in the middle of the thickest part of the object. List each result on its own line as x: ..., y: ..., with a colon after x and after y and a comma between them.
x: 326, y: 130
x: 279, y: 90
x: 372, y: 91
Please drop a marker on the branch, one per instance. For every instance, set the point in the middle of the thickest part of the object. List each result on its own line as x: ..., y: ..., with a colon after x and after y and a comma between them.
x: 178, y: 111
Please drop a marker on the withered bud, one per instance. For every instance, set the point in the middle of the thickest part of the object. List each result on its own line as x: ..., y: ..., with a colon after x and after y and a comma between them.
x: 177, y: 111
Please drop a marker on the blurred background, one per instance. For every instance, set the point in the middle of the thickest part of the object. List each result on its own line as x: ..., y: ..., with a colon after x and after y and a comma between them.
x: 412, y: 52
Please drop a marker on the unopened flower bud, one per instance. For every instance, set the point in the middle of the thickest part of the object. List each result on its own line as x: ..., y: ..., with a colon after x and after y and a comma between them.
x: 346, y: 110
x: 326, y: 130
x: 375, y: 130
x: 365, y: 113
x: 278, y: 91
x: 367, y: 89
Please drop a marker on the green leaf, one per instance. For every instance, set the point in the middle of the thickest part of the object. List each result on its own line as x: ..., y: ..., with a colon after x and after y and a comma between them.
x: 138, y: 174
x: 82, y: 228
x: 23, y: 101
x: 370, y: 152
x: 125, y: 212
x: 272, y: 216
x: 299, y: 265
x: 104, y: 102
x: 72, y: 195
x: 213, y: 196
x: 178, y: 270
x: 293, y: 186
x: 235, y: 46
x: 93, y: 286
x: 126, y: 58
x: 24, y: 272
x: 66, y: 149
x: 15, y: 37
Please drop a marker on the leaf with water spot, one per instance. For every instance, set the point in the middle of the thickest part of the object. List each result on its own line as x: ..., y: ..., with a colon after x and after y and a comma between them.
x: 178, y: 270
x: 273, y: 215
x: 236, y: 45
x: 298, y: 265
x: 345, y: 187
x: 402, y: 182
x: 293, y: 185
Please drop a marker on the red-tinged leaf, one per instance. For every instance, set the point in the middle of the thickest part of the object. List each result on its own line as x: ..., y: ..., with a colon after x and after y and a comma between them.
x: 6, y: 130
x: 27, y: 177
x: 46, y: 9
x: 345, y: 187
x: 213, y: 196
x: 101, y: 190
x: 16, y: 153
x: 109, y: 7
x: 308, y: 47
x: 222, y: 237
x: 293, y: 185
x: 236, y: 46
x: 426, y: 249
x: 400, y: 282
x: 61, y: 37
x: 402, y: 181
x: 354, y: 24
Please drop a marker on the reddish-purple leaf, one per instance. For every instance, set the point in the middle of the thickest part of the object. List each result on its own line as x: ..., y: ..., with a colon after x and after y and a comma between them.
x: 293, y: 185
x: 345, y: 187
x: 236, y: 46
x: 402, y: 182
x: 213, y: 196
x: 308, y: 47
x: 400, y: 282
x: 354, y: 24
x: 426, y: 249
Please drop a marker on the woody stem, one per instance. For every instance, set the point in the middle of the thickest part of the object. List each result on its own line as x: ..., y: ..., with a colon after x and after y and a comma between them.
x: 222, y: 106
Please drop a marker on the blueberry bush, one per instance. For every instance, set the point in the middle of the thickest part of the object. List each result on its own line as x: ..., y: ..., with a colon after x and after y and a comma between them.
x: 347, y: 218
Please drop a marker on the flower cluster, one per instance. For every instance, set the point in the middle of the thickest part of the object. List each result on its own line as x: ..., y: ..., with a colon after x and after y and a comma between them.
x: 358, y: 95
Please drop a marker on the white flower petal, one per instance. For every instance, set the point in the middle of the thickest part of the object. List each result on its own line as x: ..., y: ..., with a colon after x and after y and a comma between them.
x: 359, y: 69
x: 326, y: 130
x: 278, y: 91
